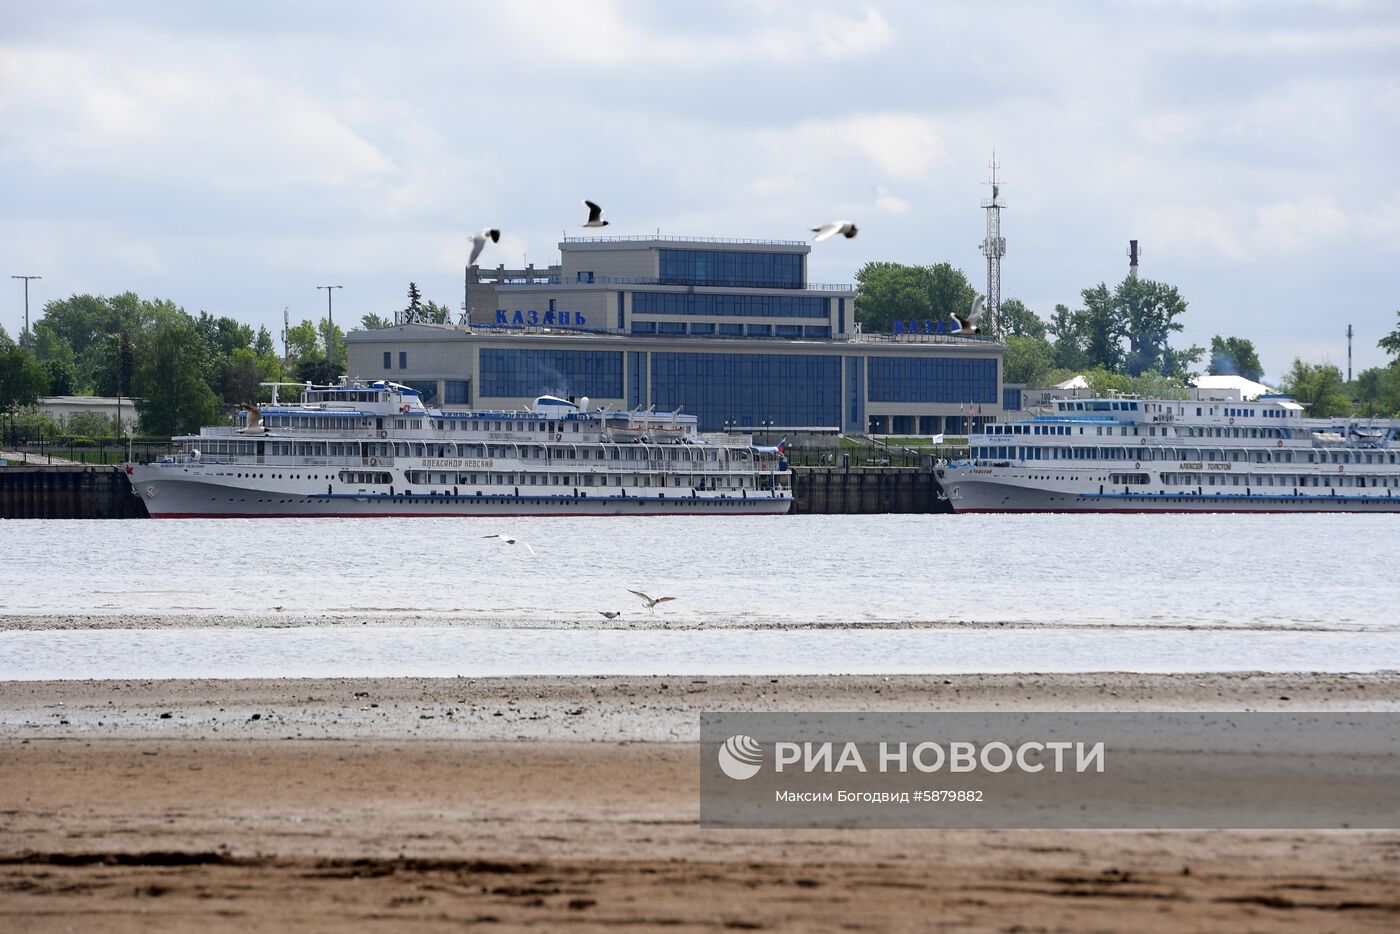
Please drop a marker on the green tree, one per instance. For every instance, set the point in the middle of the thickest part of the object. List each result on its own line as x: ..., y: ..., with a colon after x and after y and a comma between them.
x: 1019, y: 321
x: 263, y: 346
x: 1231, y: 356
x: 1148, y: 313
x: 1391, y: 342
x: 304, y: 342
x: 1102, y: 329
x: 5, y: 339
x: 62, y: 378
x: 1067, y: 327
x: 433, y: 313
x: 22, y: 381
x: 173, y: 395
x: 373, y: 322
x: 890, y: 292
x: 415, y: 303
x: 1377, y: 390
x: 1027, y: 360
x: 1318, y: 386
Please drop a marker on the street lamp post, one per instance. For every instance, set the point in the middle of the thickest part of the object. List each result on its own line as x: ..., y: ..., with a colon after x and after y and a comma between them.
x: 24, y: 338
x: 330, y: 323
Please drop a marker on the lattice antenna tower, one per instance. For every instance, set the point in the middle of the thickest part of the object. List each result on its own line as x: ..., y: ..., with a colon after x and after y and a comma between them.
x: 994, y: 248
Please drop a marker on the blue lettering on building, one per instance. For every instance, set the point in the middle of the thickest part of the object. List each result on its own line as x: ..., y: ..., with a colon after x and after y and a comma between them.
x: 533, y: 318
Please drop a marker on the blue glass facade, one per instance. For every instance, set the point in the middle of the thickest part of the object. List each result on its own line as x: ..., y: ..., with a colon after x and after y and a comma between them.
x: 855, y: 394
x: 1011, y: 400
x: 555, y: 372
x: 936, y: 379
x: 636, y: 378
x: 730, y: 306
x: 749, y: 388
x: 732, y: 268
x: 456, y: 392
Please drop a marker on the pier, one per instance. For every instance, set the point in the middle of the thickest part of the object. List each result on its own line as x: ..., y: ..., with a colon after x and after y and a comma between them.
x: 67, y: 492
x: 104, y: 492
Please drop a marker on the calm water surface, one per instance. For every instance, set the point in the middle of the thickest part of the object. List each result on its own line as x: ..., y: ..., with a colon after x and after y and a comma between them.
x: 1084, y: 593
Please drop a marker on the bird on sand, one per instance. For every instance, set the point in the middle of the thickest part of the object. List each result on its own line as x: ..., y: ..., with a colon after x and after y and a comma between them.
x: 511, y: 540
x: 844, y: 228
x: 650, y: 602
x: 479, y: 242
x: 968, y: 324
x: 278, y: 609
x: 610, y: 614
x: 595, y: 215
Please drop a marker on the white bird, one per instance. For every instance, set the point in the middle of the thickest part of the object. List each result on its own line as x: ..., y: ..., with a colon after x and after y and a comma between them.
x: 595, y: 215
x: 611, y: 614
x: 845, y: 228
x: 255, y: 424
x: 650, y: 602
x: 511, y: 540
x: 479, y: 242
x: 968, y: 324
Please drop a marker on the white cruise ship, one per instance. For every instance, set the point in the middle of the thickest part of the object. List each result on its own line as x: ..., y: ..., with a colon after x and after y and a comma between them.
x: 376, y: 450
x: 1178, y: 455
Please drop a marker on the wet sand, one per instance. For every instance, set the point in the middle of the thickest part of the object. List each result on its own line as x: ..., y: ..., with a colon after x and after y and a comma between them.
x: 409, y: 804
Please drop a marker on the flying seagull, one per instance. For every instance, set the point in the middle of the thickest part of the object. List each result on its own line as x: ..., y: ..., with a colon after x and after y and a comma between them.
x: 479, y: 242
x: 650, y: 602
x: 595, y: 215
x: 255, y: 424
x: 611, y: 614
x: 969, y: 323
x: 511, y: 540
x: 844, y: 228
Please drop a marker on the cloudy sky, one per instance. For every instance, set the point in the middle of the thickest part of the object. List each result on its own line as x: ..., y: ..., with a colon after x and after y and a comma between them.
x: 232, y: 157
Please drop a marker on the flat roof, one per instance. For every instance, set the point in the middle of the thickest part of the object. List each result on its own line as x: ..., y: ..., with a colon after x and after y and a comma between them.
x: 666, y: 241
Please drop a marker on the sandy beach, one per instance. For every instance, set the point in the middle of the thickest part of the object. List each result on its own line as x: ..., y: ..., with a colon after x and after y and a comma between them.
x: 408, y: 804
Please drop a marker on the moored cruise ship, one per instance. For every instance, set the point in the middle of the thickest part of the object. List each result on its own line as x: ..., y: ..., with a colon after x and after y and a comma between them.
x: 359, y: 449
x: 1178, y: 455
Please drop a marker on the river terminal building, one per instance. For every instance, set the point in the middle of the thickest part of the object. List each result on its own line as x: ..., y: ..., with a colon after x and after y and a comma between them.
x: 730, y: 330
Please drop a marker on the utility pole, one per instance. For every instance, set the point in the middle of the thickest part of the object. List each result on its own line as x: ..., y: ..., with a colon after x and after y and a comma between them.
x: 330, y: 323
x: 24, y: 338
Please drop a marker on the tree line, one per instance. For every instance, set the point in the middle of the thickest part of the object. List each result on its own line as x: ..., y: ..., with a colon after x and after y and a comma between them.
x: 1119, y: 339
x: 182, y: 370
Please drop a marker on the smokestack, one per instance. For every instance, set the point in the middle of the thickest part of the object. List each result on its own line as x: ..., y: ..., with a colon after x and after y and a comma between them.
x: 1132, y: 259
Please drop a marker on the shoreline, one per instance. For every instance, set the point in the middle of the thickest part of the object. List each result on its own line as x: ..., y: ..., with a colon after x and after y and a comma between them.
x: 412, y: 804
x: 639, y: 621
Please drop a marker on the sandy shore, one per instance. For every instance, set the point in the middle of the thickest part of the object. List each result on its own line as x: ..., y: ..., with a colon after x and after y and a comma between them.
x: 413, y: 804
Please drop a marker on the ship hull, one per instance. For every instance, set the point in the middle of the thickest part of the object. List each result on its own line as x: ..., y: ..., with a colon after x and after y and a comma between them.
x: 983, y: 496
x: 180, y: 498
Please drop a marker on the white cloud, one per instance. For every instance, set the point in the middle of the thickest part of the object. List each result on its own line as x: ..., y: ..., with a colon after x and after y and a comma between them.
x: 606, y: 33
x: 1294, y: 226
x: 889, y: 203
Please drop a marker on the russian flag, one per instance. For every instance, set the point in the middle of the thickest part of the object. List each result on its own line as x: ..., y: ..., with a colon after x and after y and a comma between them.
x: 782, y: 446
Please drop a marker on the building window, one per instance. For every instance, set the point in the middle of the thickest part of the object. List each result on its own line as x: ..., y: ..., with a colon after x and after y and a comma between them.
x: 529, y: 373
x: 388, y: 360
x: 670, y: 327
x: 731, y: 268
x: 728, y: 306
x: 933, y: 379
x: 785, y: 389
x: 585, y: 277
x: 403, y: 359
x: 456, y: 392
x: 643, y: 327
